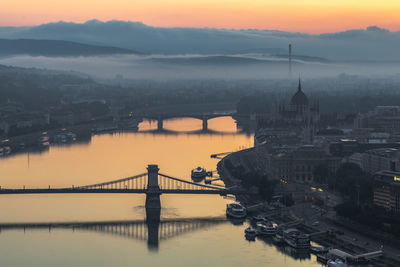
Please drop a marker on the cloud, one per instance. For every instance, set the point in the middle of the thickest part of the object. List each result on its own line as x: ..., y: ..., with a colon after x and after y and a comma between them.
x: 373, y: 43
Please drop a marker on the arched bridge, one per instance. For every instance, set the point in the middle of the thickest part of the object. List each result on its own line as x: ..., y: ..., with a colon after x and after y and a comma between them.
x: 204, y: 117
x: 152, y: 183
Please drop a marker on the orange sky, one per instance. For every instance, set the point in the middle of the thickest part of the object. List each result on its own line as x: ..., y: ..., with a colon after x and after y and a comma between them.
x: 313, y: 16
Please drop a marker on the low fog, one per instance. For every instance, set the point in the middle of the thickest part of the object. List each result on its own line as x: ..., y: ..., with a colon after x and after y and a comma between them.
x: 158, y: 67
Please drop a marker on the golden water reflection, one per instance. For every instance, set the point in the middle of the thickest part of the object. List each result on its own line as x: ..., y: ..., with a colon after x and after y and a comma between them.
x: 113, y: 156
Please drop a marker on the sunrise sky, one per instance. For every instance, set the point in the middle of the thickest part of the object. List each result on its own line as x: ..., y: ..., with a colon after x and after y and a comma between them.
x: 311, y: 16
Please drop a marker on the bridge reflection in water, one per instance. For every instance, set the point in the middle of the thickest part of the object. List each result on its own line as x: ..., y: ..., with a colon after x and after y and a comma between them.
x: 152, y: 232
x: 153, y: 184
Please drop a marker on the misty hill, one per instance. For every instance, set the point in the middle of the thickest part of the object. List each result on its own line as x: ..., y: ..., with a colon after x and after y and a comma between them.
x: 55, y: 48
x: 218, y: 60
x: 372, y: 43
x: 39, y: 87
x: 304, y: 58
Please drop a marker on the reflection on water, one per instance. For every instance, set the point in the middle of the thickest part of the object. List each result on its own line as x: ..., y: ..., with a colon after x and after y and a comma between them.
x: 110, y: 156
x: 191, y: 242
x: 151, y: 232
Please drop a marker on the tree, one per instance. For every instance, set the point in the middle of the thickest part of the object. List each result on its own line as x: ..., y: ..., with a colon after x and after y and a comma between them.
x: 353, y: 183
x: 265, y: 186
x: 321, y: 173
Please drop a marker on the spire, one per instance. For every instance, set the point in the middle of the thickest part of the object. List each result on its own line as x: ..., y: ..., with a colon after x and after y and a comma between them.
x: 299, y: 87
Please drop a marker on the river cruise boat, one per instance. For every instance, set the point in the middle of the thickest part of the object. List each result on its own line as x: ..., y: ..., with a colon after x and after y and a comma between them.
x: 296, y: 239
x: 267, y: 228
x: 6, y: 150
x: 236, y: 211
x: 258, y: 218
x: 319, y: 250
x: 278, y: 239
x: 199, y: 174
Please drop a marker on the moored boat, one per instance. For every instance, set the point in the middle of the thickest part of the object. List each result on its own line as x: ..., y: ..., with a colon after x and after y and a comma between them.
x: 318, y: 250
x: 250, y: 233
x: 199, y: 174
x: 337, y: 263
x: 278, y: 239
x: 296, y: 239
x: 235, y: 210
x: 267, y: 228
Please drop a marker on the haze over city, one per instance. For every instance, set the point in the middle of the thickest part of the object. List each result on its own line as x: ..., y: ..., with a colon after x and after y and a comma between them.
x: 200, y: 133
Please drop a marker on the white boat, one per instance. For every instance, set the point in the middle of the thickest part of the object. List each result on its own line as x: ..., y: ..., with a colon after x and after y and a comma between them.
x: 199, y: 173
x: 235, y: 210
x: 337, y: 263
x: 296, y: 239
x: 267, y: 228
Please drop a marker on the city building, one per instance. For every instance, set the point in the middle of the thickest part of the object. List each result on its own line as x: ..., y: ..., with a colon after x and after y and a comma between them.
x: 298, y: 165
x: 378, y: 159
x: 23, y: 122
x: 328, y: 135
x: 382, y: 118
x: 387, y: 190
x: 299, y: 117
x: 299, y: 111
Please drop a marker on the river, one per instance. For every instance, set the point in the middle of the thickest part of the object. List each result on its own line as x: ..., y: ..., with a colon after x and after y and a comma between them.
x: 202, y: 236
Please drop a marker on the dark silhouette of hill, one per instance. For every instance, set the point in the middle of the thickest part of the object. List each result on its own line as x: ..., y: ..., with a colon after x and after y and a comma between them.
x: 372, y: 43
x: 56, y: 48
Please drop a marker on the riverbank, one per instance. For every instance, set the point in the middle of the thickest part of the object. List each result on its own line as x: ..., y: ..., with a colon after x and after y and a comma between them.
x: 309, y: 218
x: 245, y: 158
x: 40, y: 140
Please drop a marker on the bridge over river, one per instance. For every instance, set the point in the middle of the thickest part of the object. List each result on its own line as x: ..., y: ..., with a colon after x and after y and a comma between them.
x: 203, y: 112
x: 152, y: 183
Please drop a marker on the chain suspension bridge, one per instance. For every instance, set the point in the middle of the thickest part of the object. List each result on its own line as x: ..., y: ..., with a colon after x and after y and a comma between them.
x: 152, y: 183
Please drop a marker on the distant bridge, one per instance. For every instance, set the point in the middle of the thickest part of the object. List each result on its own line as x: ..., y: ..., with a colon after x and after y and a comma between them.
x: 203, y: 117
x: 203, y: 112
x: 152, y: 183
x: 195, y: 132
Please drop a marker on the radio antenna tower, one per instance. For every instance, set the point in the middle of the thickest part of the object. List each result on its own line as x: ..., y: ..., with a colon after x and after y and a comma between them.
x: 290, y: 60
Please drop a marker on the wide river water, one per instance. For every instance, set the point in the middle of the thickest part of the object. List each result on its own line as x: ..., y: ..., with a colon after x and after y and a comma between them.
x: 194, y: 231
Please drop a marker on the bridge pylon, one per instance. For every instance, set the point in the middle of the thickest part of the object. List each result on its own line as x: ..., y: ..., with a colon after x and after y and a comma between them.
x: 160, y: 124
x: 153, y: 192
x: 205, y: 123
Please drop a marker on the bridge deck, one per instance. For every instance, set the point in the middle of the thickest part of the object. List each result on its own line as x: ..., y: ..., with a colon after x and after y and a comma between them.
x: 112, y: 191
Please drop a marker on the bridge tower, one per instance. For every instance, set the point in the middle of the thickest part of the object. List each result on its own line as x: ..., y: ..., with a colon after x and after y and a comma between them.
x: 205, y: 123
x: 160, y: 124
x: 153, y: 203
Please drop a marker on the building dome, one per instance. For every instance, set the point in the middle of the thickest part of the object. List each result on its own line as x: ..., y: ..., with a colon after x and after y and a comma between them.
x: 299, y: 98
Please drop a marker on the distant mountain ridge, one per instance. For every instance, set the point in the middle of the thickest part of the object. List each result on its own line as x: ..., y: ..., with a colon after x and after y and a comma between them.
x: 372, y: 43
x: 55, y: 48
